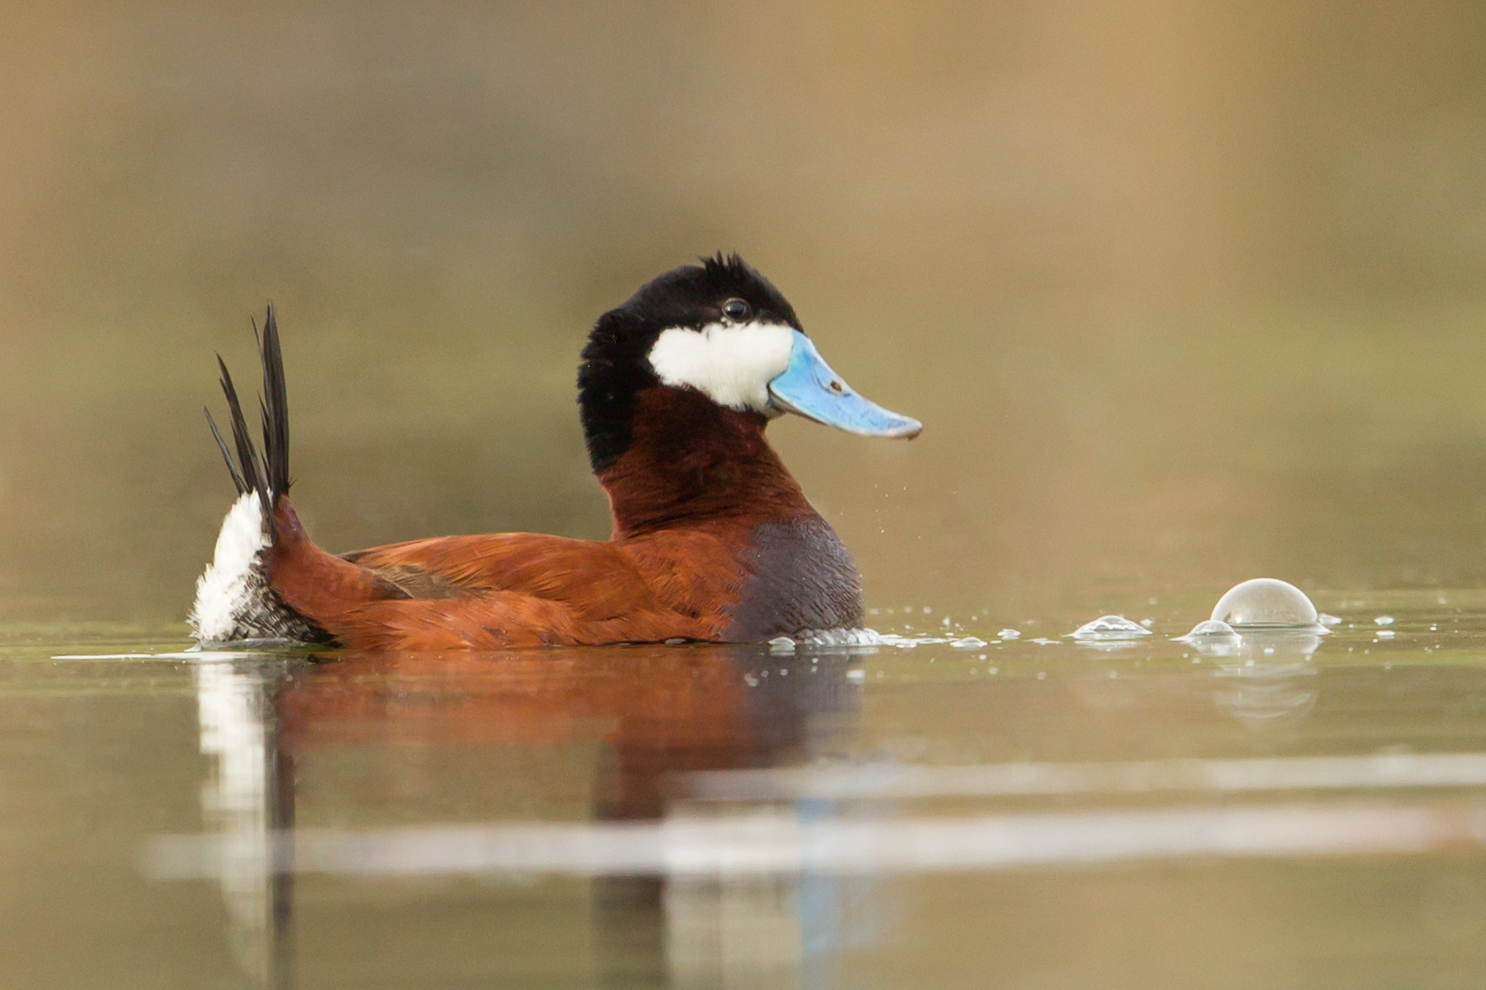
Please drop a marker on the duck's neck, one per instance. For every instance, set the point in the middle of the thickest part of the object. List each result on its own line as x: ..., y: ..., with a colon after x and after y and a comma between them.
x: 691, y: 461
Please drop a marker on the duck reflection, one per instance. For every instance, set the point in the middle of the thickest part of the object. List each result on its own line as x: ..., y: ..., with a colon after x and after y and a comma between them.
x: 371, y: 740
x: 248, y: 798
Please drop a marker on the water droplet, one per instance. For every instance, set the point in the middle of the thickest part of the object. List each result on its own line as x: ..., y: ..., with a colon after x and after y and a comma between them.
x: 1148, y: 622
x: 1108, y: 627
x: 1009, y: 634
x: 968, y: 643
x: 856, y: 676
x: 1267, y: 603
x: 1384, y: 620
x: 752, y: 681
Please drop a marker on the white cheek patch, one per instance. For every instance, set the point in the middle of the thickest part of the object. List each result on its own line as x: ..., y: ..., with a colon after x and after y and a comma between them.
x: 731, y: 365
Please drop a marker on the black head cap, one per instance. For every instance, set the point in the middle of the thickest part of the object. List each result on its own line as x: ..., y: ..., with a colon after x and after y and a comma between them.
x: 616, y: 362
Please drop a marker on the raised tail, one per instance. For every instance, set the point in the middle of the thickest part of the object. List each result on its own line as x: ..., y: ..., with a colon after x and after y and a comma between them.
x: 235, y: 597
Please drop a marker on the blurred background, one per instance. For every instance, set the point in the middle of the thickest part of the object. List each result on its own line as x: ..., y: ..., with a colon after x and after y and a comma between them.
x: 1184, y: 293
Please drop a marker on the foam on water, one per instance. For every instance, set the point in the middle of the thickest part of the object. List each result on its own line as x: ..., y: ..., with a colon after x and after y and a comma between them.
x: 1107, y: 628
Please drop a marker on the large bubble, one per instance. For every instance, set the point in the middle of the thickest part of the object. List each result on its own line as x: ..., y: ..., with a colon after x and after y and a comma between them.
x: 1267, y: 603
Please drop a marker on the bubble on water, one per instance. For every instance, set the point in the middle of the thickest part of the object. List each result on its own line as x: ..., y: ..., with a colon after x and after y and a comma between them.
x: 781, y: 644
x: 1109, y: 627
x: 1385, y: 634
x: 1327, y: 619
x: 1042, y: 641
x: 1009, y: 634
x: 1148, y: 622
x: 1267, y: 603
x: 856, y: 676
x: 1213, y: 638
x: 1384, y: 620
x: 1209, y: 630
x: 969, y: 643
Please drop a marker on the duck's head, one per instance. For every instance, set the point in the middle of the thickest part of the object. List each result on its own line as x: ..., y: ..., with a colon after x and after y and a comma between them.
x: 722, y: 330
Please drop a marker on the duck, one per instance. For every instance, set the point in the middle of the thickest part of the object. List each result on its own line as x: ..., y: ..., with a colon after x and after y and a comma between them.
x: 713, y: 540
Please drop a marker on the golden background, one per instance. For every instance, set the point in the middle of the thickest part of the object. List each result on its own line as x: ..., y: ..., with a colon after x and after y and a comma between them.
x: 1183, y: 293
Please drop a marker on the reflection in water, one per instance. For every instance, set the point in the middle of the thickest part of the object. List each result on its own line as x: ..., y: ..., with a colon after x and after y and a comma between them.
x: 654, y: 712
x: 1269, y: 673
x: 735, y: 847
x: 244, y: 802
x: 734, y: 932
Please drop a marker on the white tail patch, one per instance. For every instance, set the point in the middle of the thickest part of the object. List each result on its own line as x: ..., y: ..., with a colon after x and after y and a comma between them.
x: 732, y: 365
x: 226, y: 591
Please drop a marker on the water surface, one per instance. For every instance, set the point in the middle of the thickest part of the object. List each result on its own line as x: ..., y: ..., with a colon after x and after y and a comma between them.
x: 1026, y: 814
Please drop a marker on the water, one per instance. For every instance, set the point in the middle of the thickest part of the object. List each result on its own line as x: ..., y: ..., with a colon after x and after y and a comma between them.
x: 1310, y: 813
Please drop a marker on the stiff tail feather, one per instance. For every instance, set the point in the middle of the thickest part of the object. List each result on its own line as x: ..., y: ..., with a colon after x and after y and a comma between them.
x: 235, y: 601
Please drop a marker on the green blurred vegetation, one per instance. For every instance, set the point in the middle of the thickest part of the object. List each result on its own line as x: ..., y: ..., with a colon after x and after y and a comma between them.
x: 1184, y: 293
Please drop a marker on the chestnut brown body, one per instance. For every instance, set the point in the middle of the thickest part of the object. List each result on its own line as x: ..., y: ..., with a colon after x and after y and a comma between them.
x: 713, y: 540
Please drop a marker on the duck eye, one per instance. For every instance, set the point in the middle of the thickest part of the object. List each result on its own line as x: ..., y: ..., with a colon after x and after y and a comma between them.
x: 736, y: 310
